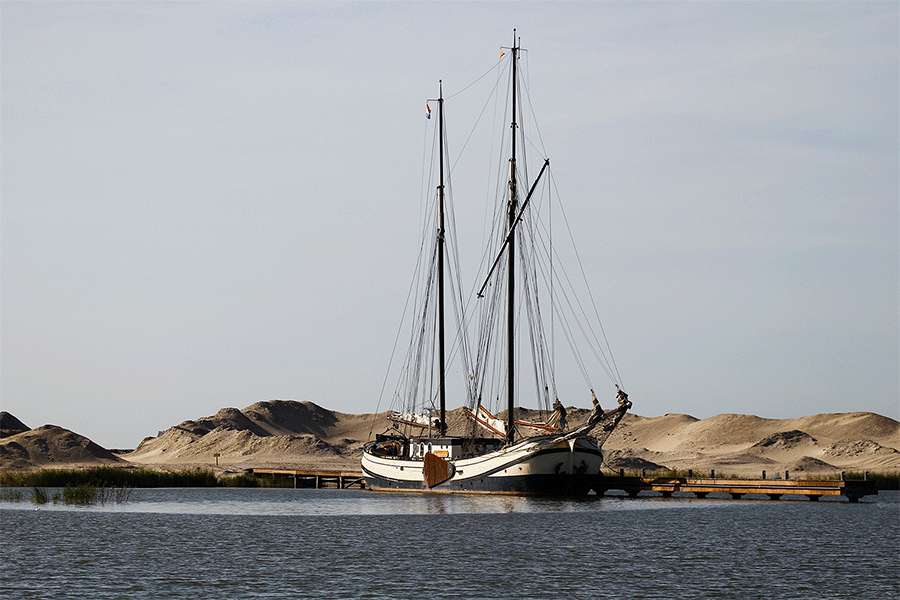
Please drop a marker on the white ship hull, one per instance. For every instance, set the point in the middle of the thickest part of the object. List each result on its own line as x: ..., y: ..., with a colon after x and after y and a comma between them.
x: 538, y: 466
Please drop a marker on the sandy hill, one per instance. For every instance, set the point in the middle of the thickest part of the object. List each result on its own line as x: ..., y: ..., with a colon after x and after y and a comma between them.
x: 277, y: 432
x: 746, y: 444
x: 51, y: 446
x: 289, y: 434
x: 9, y: 425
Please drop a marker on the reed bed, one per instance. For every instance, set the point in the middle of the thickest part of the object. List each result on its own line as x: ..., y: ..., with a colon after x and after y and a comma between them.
x: 109, y: 477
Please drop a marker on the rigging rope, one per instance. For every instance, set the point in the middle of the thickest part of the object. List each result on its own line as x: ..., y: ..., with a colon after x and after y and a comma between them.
x: 618, y: 378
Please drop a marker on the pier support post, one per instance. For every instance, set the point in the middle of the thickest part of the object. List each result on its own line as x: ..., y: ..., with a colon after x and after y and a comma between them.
x: 764, y: 475
x: 736, y: 496
x: 774, y: 496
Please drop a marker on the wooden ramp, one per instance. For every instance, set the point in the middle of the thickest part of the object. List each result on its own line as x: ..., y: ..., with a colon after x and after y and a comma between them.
x: 774, y: 489
x: 318, y: 479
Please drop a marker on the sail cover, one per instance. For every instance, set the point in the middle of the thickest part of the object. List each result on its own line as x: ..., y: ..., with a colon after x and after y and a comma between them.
x: 487, y: 420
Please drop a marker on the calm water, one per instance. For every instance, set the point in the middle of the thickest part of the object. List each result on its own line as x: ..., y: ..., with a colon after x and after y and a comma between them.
x: 244, y: 543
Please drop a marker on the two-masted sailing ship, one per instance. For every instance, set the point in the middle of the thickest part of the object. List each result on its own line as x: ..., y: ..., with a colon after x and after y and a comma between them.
x: 489, y: 449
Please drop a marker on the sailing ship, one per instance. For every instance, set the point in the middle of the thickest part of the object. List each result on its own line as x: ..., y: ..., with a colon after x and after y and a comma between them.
x: 498, y: 454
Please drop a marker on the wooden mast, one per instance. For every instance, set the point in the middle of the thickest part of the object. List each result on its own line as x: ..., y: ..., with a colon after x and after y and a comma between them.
x: 511, y: 275
x: 440, y: 241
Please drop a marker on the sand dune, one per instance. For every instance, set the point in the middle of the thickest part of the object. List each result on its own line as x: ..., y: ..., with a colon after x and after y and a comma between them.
x: 51, y: 446
x: 9, y: 425
x: 288, y: 434
x: 746, y: 445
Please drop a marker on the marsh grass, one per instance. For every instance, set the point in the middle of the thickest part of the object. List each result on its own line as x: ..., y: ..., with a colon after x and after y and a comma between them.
x: 245, y: 481
x: 39, y: 495
x: 7, y: 495
x: 118, y: 478
x: 109, y: 477
x: 71, y: 494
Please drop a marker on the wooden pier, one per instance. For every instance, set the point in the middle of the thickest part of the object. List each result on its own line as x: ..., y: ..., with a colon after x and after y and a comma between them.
x: 699, y: 487
x: 736, y: 489
x: 318, y: 479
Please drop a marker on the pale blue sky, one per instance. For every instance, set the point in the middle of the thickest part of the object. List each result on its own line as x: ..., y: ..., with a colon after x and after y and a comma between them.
x: 208, y: 205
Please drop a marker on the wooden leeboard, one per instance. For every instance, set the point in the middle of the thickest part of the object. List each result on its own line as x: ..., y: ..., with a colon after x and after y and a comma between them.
x: 436, y: 470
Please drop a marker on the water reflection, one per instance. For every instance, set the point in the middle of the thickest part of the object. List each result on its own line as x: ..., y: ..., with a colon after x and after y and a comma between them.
x: 237, y: 501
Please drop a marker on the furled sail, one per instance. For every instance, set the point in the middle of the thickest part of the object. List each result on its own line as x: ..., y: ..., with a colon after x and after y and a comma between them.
x: 482, y: 417
x: 423, y: 420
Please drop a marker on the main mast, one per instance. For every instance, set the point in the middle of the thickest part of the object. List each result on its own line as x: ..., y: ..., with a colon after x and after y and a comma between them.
x: 441, y: 378
x: 511, y: 275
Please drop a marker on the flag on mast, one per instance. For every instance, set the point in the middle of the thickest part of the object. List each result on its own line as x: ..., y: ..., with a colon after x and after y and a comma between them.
x: 428, y: 116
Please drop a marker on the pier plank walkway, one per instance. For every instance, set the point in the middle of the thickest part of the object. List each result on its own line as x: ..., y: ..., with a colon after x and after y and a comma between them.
x: 853, y: 490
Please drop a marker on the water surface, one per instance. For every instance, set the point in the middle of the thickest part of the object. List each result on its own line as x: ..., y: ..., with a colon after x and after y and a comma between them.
x: 266, y: 543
